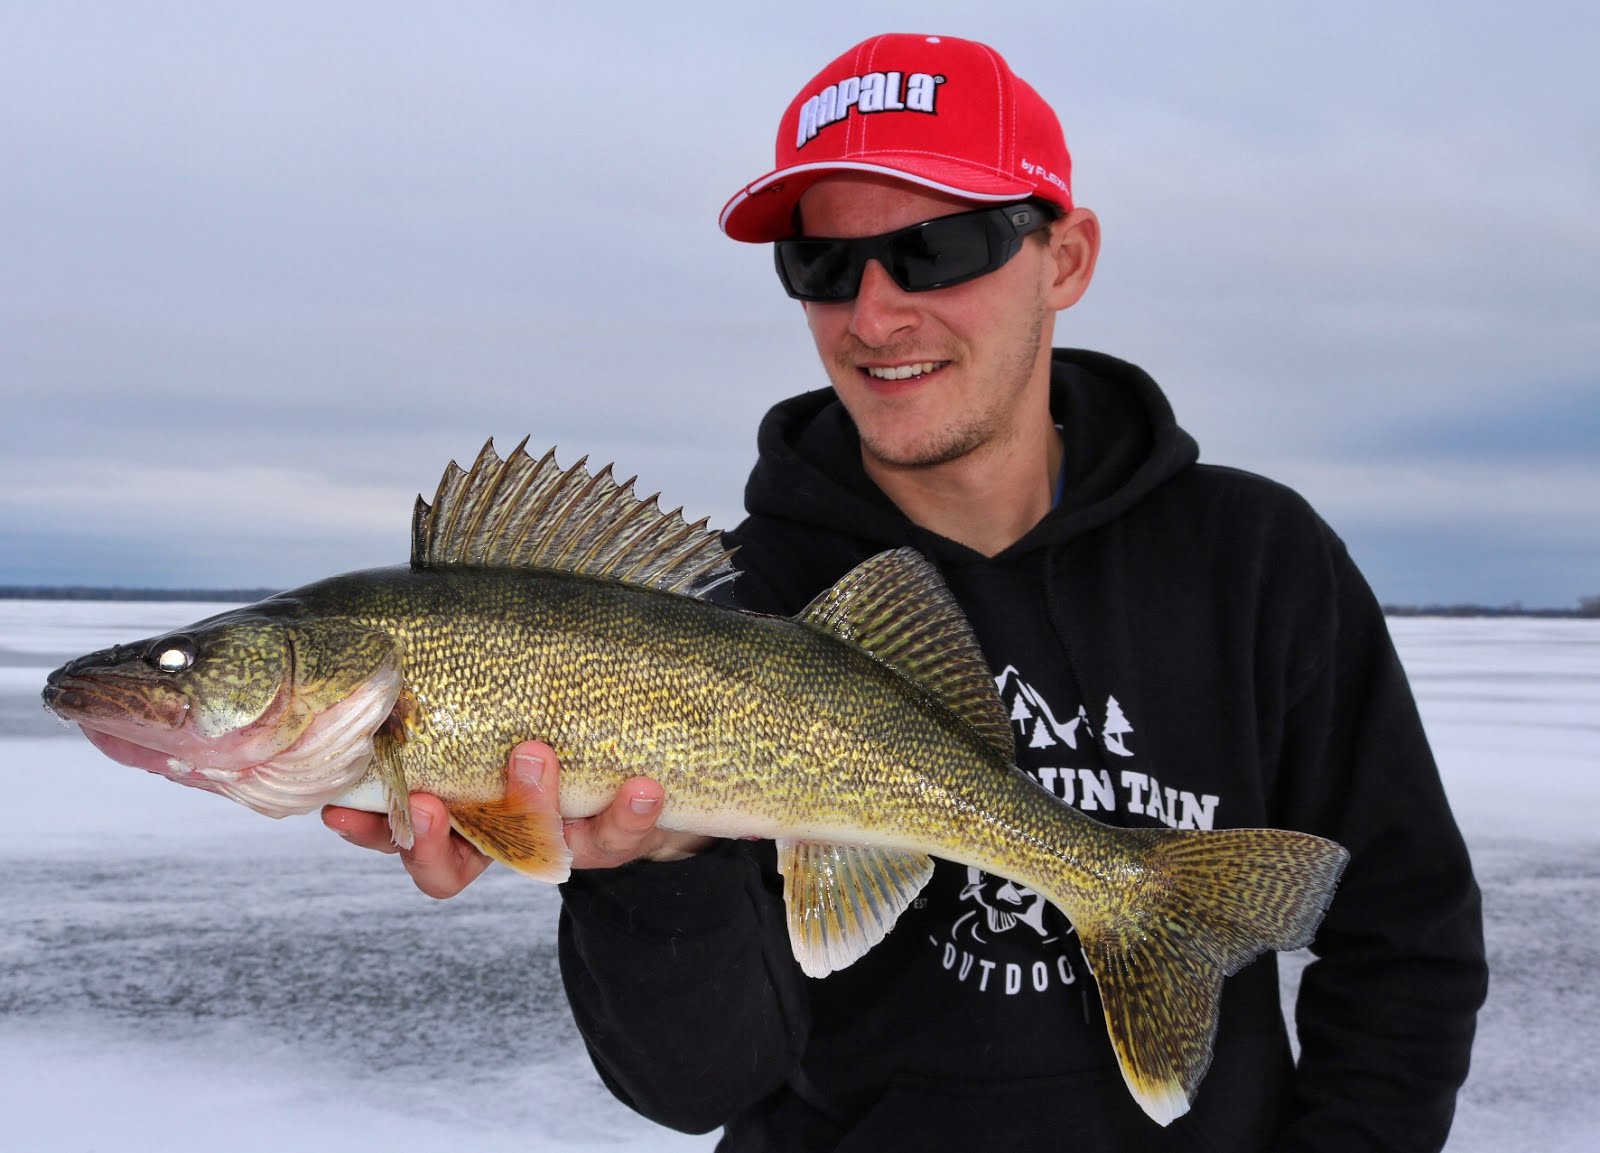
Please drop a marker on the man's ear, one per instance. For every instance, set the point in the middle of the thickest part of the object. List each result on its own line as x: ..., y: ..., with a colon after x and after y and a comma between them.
x: 1074, y: 242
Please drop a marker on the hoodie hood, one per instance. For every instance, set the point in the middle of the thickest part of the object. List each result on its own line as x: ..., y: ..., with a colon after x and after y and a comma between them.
x: 1121, y: 441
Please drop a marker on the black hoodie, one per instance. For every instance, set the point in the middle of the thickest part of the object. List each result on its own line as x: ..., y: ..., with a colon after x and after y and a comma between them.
x: 1177, y: 644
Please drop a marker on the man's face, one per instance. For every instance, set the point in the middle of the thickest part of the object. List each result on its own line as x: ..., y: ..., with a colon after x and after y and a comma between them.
x: 929, y: 377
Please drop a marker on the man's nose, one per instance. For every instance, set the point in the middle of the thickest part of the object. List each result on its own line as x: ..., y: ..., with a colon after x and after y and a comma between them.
x: 882, y: 309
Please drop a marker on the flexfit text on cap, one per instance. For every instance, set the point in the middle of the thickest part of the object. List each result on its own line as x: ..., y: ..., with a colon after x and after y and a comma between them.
x: 944, y: 113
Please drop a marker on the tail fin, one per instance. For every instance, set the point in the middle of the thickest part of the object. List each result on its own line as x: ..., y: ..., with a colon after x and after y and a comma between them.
x: 1205, y: 905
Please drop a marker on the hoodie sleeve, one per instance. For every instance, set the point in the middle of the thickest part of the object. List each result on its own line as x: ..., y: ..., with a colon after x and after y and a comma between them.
x: 1387, y: 1011
x: 682, y: 984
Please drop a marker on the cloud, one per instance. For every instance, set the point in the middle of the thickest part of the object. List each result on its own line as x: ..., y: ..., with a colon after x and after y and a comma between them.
x: 279, y: 256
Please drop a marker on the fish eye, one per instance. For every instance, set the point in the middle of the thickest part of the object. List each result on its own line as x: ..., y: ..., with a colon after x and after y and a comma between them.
x: 172, y: 656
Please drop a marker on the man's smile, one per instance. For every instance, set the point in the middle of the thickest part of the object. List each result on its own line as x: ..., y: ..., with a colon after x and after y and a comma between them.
x: 903, y: 371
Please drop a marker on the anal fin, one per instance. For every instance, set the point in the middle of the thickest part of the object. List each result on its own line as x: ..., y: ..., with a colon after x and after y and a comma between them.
x: 843, y: 899
x: 521, y: 829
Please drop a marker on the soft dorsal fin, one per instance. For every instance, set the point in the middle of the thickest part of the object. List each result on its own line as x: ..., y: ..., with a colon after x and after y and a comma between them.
x: 526, y: 513
x: 896, y: 606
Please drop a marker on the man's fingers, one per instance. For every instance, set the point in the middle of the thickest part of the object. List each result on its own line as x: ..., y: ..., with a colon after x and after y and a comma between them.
x: 620, y: 832
x: 535, y: 770
x: 441, y: 863
x: 626, y: 831
x: 369, y: 830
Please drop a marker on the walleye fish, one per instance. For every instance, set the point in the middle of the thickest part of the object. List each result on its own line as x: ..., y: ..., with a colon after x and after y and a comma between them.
x: 864, y: 736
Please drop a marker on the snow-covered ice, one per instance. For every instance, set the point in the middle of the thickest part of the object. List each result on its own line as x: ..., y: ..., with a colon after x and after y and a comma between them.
x: 180, y: 974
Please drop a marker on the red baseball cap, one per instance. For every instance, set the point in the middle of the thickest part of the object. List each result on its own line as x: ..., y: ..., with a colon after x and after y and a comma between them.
x: 944, y: 113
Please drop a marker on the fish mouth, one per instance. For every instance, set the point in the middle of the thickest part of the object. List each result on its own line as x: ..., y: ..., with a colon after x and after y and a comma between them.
x: 150, y: 758
x: 132, y: 722
x: 130, y: 719
x: 104, y: 698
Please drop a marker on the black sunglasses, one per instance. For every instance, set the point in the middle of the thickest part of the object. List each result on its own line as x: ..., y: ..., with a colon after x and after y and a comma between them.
x: 934, y: 254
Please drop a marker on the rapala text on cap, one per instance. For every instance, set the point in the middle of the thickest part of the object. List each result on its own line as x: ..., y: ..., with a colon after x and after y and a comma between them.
x: 874, y: 92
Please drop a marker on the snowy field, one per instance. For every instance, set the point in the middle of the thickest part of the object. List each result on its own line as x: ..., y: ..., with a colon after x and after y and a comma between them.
x: 179, y: 974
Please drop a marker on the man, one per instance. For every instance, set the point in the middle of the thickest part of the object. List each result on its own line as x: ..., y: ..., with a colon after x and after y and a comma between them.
x: 1177, y: 644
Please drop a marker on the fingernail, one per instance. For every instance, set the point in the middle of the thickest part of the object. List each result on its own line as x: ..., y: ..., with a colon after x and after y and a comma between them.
x: 421, y: 822
x: 529, y: 770
x: 643, y: 805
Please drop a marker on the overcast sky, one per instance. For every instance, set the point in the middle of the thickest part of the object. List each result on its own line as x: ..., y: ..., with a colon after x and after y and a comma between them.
x: 266, y: 267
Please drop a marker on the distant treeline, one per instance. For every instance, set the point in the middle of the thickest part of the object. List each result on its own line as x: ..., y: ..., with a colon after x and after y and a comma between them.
x: 87, y: 593
x: 1587, y: 606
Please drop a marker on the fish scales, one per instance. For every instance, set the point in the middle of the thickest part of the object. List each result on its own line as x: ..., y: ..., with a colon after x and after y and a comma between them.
x: 623, y: 681
x: 864, y: 736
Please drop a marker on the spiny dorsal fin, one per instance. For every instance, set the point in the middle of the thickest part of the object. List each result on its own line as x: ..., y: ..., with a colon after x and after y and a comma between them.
x: 896, y: 606
x: 526, y: 513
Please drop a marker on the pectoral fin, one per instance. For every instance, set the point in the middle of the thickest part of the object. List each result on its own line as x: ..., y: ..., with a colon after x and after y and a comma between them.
x: 397, y: 797
x: 521, y: 829
x: 844, y: 899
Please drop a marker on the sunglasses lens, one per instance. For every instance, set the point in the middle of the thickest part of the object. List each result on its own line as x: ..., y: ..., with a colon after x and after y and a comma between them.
x: 940, y: 252
x: 819, y: 269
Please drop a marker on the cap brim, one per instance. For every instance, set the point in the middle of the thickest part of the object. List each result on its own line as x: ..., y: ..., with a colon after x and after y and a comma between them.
x: 763, y: 211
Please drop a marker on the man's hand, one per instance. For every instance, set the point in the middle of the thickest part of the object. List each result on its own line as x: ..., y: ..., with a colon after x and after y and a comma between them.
x: 442, y: 862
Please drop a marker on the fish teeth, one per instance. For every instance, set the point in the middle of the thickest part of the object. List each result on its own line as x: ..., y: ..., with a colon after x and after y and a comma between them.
x: 901, y: 371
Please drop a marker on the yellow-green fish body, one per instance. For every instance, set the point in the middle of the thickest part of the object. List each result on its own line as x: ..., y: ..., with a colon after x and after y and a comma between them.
x: 864, y: 736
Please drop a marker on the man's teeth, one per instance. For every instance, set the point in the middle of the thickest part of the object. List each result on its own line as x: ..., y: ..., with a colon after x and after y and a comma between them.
x: 901, y: 371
